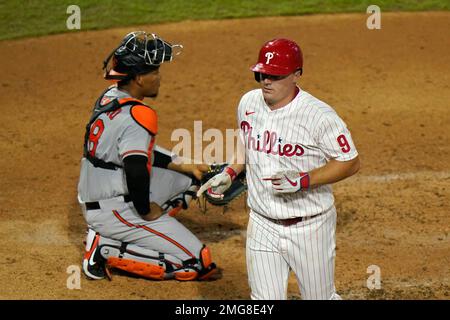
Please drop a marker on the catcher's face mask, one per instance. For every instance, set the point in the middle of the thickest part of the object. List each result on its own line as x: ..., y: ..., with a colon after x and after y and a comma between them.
x: 139, y: 53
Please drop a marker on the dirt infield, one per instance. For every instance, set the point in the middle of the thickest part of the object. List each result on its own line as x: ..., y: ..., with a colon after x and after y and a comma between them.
x: 391, y: 86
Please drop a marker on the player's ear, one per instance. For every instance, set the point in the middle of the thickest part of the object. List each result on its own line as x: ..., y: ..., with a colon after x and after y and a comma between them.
x: 297, y: 74
x: 138, y: 80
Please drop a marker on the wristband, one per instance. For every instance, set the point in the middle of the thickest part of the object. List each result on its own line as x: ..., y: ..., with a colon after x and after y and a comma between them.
x: 304, y: 180
x: 231, y: 173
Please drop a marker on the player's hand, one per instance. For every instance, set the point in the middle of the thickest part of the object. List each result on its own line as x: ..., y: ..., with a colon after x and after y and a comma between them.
x: 217, y: 185
x: 155, y: 212
x: 288, y: 181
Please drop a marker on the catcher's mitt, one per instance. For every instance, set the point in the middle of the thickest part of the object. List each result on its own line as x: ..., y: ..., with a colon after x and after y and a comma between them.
x: 238, y: 186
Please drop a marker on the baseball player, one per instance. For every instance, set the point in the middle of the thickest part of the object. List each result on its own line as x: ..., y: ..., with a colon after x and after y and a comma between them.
x: 295, y: 147
x: 129, y: 189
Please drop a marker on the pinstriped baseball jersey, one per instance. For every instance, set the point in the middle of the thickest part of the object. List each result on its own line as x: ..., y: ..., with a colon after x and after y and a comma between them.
x: 115, y: 135
x: 301, y: 136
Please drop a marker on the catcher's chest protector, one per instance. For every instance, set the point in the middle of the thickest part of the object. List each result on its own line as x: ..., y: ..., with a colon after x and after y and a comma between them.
x: 99, y: 109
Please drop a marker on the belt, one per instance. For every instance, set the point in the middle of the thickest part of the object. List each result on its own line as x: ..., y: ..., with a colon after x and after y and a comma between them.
x: 291, y: 221
x: 96, y: 205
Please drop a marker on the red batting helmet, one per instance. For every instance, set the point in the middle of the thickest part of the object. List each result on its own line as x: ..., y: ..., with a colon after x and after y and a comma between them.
x: 279, y: 57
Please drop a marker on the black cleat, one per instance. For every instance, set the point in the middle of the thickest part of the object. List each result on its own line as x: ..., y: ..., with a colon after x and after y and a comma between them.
x: 93, y: 262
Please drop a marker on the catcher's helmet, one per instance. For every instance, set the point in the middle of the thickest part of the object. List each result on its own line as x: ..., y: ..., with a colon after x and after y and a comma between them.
x: 279, y: 57
x: 138, y: 53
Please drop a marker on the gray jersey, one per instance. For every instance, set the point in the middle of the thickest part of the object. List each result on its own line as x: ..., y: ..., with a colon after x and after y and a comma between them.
x: 114, y: 136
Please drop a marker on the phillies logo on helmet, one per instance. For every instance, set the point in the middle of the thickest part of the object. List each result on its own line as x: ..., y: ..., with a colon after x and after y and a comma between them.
x: 287, y: 54
x: 269, y: 56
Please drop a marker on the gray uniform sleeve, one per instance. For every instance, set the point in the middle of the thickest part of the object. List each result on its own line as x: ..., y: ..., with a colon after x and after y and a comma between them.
x: 134, y: 140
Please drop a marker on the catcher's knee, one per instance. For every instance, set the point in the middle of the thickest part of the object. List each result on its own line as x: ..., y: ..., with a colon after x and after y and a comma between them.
x: 143, y: 269
x: 209, y: 268
x: 197, y: 269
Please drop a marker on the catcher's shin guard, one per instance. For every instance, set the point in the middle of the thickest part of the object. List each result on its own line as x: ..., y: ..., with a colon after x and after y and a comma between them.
x: 143, y: 269
x: 195, y: 269
x: 145, y: 263
x: 133, y: 259
x: 153, y: 265
x: 185, y: 274
x: 209, y: 268
x: 153, y: 271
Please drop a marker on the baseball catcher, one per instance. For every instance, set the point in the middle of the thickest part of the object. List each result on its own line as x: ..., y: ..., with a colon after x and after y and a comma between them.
x: 129, y: 188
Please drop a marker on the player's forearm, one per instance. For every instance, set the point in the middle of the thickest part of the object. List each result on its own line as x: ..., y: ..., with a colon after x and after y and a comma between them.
x: 237, y: 162
x: 179, y: 167
x: 333, y: 171
x: 138, y: 182
x: 195, y: 170
x: 182, y: 167
x: 162, y: 158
